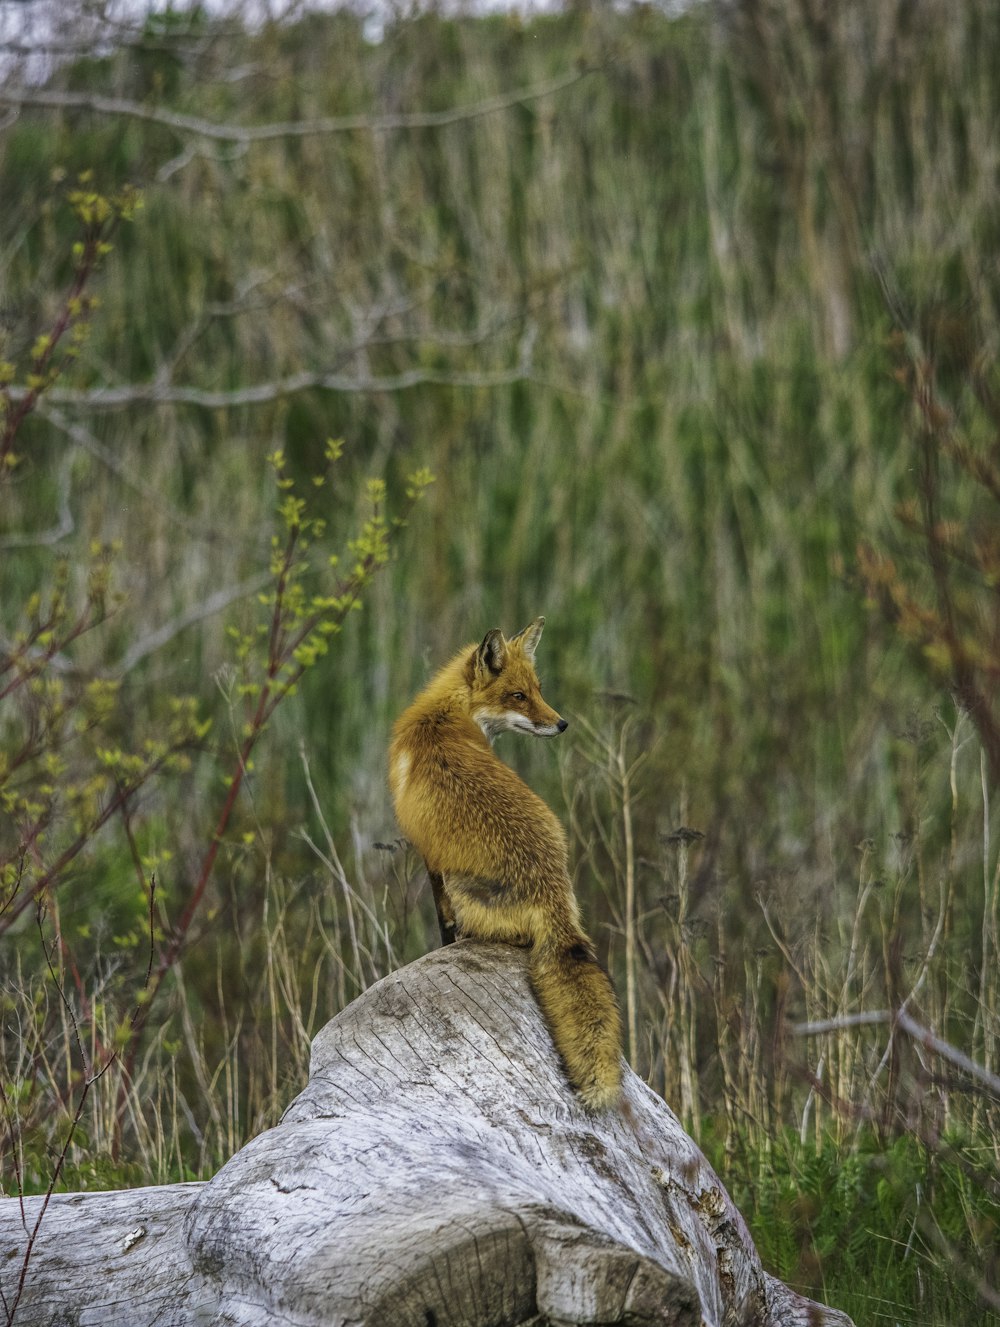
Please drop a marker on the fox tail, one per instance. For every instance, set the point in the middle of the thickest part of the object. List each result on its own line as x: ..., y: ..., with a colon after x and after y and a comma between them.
x: 578, y: 1001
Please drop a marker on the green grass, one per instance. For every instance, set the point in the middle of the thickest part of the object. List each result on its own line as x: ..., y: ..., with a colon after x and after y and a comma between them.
x: 886, y: 1232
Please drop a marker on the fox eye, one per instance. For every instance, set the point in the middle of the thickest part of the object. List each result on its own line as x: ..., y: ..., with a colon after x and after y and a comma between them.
x: 518, y: 695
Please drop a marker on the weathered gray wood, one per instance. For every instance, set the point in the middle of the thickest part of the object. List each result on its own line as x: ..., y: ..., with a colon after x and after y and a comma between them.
x: 104, y: 1258
x: 436, y: 1171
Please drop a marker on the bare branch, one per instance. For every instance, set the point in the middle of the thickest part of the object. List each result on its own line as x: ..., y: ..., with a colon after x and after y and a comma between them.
x: 157, y: 393
x: 51, y: 99
x: 215, y: 603
x: 870, y: 1018
x: 84, y: 438
x: 56, y: 533
x: 912, y: 1028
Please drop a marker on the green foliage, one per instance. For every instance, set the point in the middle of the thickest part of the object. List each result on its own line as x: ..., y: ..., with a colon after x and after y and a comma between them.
x: 55, y: 349
x: 69, y: 779
x: 64, y: 771
x: 900, y: 1232
x: 300, y: 619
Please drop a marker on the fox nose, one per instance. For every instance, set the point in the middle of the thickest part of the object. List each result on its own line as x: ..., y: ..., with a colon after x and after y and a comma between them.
x: 562, y: 725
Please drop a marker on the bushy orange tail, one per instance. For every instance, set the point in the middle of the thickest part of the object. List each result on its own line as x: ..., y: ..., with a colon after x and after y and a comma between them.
x: 576, y: 996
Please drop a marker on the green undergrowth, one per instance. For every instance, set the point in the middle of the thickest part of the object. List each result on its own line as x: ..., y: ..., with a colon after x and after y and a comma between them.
x: 894, y: 1232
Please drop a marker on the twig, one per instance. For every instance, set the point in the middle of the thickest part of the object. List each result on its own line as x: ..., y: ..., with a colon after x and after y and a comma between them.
x: 912, y: 1028
x: 11, y: 910
x: 160, y: 393
x: 52, y: 99
x: 332, y: 863
x: 84, y: 438
x: 215, y: 603
x: 90, y: 1078
x: 56, y: 533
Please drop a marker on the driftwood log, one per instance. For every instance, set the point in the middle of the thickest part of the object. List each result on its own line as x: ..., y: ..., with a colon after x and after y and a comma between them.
x: 436, y: 1171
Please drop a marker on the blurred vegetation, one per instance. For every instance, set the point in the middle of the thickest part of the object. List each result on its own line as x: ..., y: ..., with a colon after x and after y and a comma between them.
x: 695, y: 321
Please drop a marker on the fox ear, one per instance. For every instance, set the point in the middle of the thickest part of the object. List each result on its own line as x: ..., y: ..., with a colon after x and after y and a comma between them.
x: 492, y: 654
x: 530, y: 636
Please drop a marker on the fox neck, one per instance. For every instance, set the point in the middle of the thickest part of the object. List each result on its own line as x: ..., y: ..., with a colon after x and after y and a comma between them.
x: 490, y: 727
x: 451, y: 690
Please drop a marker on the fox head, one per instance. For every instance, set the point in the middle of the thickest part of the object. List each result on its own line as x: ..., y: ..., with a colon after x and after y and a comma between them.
x: 504, y: 692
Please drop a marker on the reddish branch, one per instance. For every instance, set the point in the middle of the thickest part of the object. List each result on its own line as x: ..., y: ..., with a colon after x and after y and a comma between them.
x: 70, y: 312
x: 282, y: 647
x: 966, y: 675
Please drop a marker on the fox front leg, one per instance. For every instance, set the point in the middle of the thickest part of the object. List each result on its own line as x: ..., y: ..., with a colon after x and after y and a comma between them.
x: 442, y: 905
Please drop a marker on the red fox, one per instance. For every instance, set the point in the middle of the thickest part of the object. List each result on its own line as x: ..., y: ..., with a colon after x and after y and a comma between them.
x: 495, y: 852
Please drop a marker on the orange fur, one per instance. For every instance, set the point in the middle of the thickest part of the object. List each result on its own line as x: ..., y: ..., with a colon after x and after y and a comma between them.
x: 499, y: 850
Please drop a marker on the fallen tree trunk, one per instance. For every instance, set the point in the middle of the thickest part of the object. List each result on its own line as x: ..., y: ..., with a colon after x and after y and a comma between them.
x: 436, y: 1171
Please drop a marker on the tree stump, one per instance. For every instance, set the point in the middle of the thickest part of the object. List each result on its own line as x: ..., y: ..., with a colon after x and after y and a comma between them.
x: 437, y: 1171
